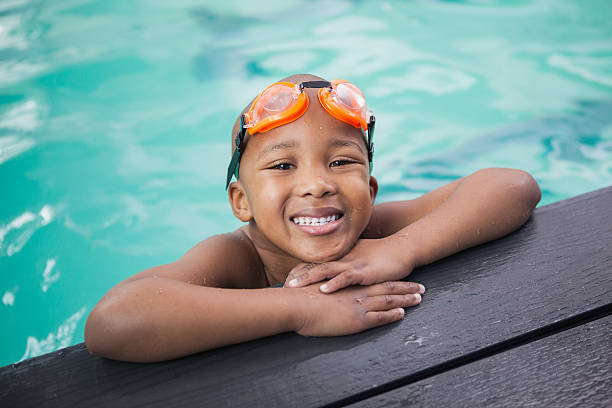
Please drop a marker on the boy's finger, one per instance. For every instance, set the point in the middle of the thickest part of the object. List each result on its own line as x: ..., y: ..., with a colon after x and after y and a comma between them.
x: 395, y: 288
x: 311, y: 273
x: 296, y: 275
x: 342, y: 280
x: 387, y: 302
x: 293, y: 273
x: 374, y: 319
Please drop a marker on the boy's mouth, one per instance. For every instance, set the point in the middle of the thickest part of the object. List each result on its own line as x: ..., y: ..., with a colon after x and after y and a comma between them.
x: 317, y: 221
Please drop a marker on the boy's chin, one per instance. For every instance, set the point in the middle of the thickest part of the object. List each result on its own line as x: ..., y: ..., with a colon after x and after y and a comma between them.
x: 322, y: 256
x: 318, y: 260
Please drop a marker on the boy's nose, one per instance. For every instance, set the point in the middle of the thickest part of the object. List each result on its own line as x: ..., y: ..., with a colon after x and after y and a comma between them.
x: 315, y: 183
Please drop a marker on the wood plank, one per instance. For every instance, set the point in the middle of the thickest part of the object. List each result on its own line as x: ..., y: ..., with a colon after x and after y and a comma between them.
x: 569, y: 369
x: 557, y: 266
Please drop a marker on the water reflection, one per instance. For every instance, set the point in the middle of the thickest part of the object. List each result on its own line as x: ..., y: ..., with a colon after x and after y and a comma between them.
x: 62, y: 337
x: 15, y: 234
x: 11, y: 146
x: 50, y: 274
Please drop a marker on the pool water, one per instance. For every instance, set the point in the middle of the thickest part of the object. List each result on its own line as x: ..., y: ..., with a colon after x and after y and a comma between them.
x: 115, y: 120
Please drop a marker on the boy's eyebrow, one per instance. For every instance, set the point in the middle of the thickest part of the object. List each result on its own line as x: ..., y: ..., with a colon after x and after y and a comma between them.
x: 278, y: 146
x: 344, y: 143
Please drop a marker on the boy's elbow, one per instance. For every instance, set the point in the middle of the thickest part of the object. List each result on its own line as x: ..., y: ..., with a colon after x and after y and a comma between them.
x: 94, y: 338
x: 527, y: 188
x: 518, y: 185
x: 104, y: 335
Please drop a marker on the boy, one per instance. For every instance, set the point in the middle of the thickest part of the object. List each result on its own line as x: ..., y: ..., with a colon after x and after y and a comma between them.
x: 302, y: 159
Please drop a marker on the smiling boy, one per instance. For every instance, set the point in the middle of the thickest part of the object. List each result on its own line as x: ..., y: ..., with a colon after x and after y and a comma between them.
x: 302, y: 158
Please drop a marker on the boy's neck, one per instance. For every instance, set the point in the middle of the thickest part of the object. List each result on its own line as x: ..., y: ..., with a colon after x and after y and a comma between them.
x: 277, y: 264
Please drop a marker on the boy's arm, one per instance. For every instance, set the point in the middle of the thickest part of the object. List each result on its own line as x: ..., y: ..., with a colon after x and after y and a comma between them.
x: 165, y: 312
x: 483, y: 206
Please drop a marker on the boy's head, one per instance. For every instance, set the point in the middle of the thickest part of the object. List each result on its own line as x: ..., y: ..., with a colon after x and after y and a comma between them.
x: 304, y: 181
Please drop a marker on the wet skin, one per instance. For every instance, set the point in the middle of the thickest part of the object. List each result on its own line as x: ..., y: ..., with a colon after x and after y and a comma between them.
x: 313, y: 167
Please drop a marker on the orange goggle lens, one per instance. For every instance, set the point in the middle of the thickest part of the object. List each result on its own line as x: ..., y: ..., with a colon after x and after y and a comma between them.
x: 345, y: 102
x: 278, y: 104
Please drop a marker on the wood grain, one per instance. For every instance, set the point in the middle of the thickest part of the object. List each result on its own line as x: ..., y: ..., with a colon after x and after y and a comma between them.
x: 569, y: 369
x: 555, y: 267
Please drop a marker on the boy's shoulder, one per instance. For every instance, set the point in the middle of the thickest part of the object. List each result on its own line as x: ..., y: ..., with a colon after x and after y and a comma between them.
x: 226, y: 260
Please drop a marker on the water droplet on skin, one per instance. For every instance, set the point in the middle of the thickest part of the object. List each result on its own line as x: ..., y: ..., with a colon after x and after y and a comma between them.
x: 160, y: 291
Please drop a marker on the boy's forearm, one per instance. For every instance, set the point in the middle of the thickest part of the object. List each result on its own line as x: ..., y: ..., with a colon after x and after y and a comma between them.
x: 154, y: 319
x: 485, y: 206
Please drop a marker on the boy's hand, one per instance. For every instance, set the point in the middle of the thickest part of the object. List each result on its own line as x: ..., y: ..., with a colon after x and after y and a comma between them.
x: 370, y: 261
x: 354, y: 309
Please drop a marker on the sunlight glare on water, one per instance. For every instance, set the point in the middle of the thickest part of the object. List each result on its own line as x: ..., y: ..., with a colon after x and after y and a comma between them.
x: 115, y: 121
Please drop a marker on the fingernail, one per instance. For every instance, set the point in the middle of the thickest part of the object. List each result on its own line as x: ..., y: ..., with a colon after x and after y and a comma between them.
x: 293, y: 282
x: 324, y: 287
x: 422, y: 288
x: 402, y: 311
x: 418, y: 297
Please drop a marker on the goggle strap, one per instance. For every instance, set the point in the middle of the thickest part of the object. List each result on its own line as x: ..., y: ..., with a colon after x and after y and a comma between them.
x: 315, y: 84
x: 232, y: 169
x: 370, y: 141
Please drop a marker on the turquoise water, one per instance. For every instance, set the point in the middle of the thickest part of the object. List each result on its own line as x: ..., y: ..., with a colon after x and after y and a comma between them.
x: 115, y: 119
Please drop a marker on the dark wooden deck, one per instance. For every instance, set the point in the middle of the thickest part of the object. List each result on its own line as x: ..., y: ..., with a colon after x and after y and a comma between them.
x: 518, y: 321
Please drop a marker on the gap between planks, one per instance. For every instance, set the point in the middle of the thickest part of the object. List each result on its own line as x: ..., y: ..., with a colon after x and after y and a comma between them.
x: 485, y: 352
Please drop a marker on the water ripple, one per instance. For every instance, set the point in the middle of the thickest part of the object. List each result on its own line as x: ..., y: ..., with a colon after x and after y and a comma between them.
x: 13, y: 145
x: 584, y: 67
x: 49, y: 275
x: 15, y: 234
x: 62, y: 337
x: 8, y: 299
x: 24, y: 117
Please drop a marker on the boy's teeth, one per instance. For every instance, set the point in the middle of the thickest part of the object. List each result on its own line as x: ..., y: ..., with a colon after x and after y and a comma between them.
x: 315, y: 220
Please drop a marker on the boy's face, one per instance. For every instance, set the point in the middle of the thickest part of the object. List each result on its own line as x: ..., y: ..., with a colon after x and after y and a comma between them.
x: 312, y: 168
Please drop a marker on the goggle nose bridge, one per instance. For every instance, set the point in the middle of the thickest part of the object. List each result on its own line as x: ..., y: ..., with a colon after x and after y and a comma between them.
x: 315, y: 84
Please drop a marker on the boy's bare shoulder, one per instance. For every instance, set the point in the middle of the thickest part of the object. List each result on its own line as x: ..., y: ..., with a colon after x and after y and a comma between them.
x: 225, y: 260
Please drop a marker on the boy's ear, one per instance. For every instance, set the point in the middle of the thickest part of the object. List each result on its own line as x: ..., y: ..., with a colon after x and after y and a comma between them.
x: 239, y: 202
x: 373, y: 188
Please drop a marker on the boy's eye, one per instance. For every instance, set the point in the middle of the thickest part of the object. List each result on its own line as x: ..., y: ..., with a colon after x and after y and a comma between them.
x: 336, y: 163
x: 283, y: 166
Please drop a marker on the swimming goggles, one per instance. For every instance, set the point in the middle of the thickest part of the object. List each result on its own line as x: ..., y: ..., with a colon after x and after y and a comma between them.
x: 284, y: 102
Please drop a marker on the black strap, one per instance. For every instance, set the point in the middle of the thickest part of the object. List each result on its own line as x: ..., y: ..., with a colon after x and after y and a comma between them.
x: 370, y: 141
x: 315, y: 84
x: 234, y: 165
